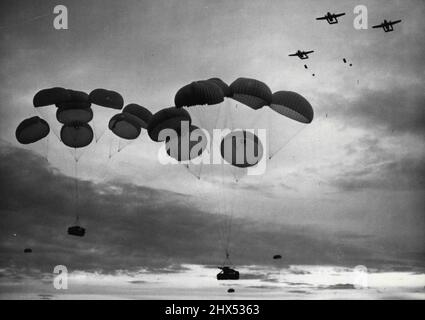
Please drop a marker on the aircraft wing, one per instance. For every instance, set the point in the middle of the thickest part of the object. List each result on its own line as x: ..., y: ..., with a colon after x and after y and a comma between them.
x: 321, y: 18
x: 394, y: 22
x: 292, y: 55
x: 378, y: 26
x: 339, y: 14
x: 308, y: 52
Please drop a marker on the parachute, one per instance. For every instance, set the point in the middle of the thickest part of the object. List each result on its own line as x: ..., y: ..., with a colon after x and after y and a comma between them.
x: 32, y: 130
x: 168, y: 118
x: 143, y: 115
x: 241, y: 149
x: 253, y: 93
x: 76, y: 135
x: 190, y: 144
x: 230, y: 290
x: 227, y: 92
x: 277, y: 256
x: 125, y: 126
x: 69, y: 115
x: 47, y: 97
x: 106, y: 98
x: 27, y: 250
x: 202, y: 92
x: 78, y: 96
x: 293, y: 106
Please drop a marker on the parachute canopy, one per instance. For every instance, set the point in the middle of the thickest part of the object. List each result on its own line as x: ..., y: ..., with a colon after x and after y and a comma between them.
x: 107, y: 98
x: 253, y: 93
x: 32, y: 130
x: 47, y: 97
x: 67, y: 115
x: 168, y: 118
x: 231, y: 290
x: 293, y: 106
x: 27, y: 250
x: 241, y: 148
x: 223, y: 86
x: 202, y: 92
x: 78, y: 96
x: 76, y: 135
x: 277, y: 256
x: 125, y: 126
x: 143, y: 114
x: 188, y: 145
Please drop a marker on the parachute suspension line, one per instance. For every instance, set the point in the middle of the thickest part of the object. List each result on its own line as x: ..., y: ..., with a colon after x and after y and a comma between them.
x: 272, y: 154
x: 77, y: 217
x: 222, y: 225
x: 47, y: 148
x: 191, y: 172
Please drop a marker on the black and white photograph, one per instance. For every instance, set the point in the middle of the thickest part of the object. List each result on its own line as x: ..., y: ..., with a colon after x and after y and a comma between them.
x: 221, y: 150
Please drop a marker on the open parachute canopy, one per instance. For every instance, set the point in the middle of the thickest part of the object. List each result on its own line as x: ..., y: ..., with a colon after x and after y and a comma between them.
x: 168, y: 118
x: 106, y: 98
x: 241, y: 149
x: 142, y: 114
x: 125, y: 126
x: 67, y: 115
x: 76, y: 134
x: 223, y: 86
x: 199, y: 93
x: 292, y: 105
x: 47, y: 97
x: 32, y: 130
x: 253, y: 93
x: 188, y: 145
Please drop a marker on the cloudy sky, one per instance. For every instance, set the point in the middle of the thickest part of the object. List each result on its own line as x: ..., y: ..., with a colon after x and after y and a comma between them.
x: 346, y: 190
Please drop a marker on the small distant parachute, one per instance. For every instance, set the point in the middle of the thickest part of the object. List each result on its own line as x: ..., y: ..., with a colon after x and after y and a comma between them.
x: 27, y: 250
x: 230, y: 290
x: 305, y: 66
x: 106, y: 98
x: 241, y: 149
x: 185, y: 147
x: 293, y: 106
x: 199, y: 93
x: 277, y: 256
x: 32, y: 130
x: 253, y: 93
x: 345, y: 60
x: 47, y: 97
x: 141, y: 113
x: 76, y: 135
x: 168, y: 118
x: 125, y: 126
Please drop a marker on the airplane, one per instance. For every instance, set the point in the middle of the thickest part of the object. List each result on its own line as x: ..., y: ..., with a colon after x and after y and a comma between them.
x: 301, y: 54
x: 331, y: 18
x: 387, y: 25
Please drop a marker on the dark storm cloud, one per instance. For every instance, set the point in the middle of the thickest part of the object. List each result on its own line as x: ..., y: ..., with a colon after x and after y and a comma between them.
x: 378, y: 168
x: 131, y: 227
x: 404, y: 174
x: 395, y: 110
